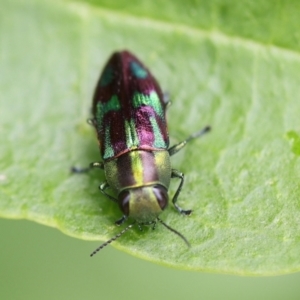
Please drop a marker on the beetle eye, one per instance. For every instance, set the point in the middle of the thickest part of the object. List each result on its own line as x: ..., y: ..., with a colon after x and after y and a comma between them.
x: 161, y: 194
x: 123, y: 198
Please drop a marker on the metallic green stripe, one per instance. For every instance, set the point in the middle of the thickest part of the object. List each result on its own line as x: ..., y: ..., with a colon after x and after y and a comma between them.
x: 108, y: 150
x: 103, y: 108
x: 158, y: 138
x: 107, y: 76
x: 99, y: 114
x: 137, y: 70
x: 112, y: 105
x: 131, y: 134
x: 151, y: 100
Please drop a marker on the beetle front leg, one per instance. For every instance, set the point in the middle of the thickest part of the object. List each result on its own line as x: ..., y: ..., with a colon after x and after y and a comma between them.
x: 177, y: 174
x: 121, y: 221
x: 102, y: 187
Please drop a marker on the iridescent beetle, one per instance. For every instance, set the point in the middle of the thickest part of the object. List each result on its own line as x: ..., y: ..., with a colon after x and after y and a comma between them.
x: 129, y: 117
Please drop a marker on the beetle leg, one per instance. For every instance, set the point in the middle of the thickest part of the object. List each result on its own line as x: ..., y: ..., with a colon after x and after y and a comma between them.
x: 91, y: 121
x: 102, y: 187
x: 177, y: 174
x: 154, y: 225
x: 99, y: 165
x: 174, y: 149
x: 167, y: 99
x: 121, y: 221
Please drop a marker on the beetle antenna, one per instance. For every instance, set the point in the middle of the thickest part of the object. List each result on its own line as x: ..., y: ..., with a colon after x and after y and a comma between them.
x: 112, y: 239
x: 175, y: 231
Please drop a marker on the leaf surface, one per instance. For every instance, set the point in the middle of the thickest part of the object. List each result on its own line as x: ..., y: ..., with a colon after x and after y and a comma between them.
x: 225, y: 63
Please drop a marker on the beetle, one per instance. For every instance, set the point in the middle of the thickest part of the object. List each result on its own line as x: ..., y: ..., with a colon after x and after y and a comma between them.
x: 129, y: 110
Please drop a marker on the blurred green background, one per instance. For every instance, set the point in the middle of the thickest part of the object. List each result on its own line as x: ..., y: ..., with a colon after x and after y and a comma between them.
x: 39, y: 262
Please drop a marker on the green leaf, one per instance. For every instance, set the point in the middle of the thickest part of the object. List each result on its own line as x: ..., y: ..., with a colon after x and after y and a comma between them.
x: 231, y: 64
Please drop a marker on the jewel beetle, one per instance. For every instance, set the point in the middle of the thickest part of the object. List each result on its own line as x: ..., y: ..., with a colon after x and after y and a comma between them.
x: 129, y: 110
